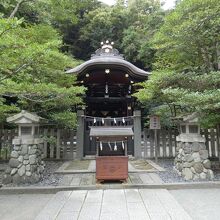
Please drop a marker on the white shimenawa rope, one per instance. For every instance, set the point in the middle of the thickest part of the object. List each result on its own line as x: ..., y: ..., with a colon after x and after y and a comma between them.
x: 109, y: 144
x: 118, y: 118
x: 103, y: 121
x: 123, y: 120
x: 115, y: 147
x: 123, y: 145
x: 94, y: 121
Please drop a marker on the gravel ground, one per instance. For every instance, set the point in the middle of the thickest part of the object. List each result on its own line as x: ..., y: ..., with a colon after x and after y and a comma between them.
x: 49, y: 178
x: 3, y: 166
x: 170, y: 175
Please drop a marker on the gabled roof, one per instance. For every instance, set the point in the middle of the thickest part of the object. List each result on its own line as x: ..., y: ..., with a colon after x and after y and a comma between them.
x: 24, y: 117
x: 191, y: 118
x: 109, y: 57
x: 102, y: 131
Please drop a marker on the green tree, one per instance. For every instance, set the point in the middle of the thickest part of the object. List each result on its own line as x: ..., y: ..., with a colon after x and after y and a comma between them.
x: 187, y: 45
x: 145, y: 18
x: 189, y: 38
x: 104, y: 23
x: 49, y: 11
x: 67, y: 16
x: 32, y: 72
x: 171, y: 94
x: 131, y: 28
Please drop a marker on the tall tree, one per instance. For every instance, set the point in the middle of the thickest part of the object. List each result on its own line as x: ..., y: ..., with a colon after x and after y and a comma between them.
x: 104, y: 23
x: 188, y: 44
x: 145, y: 18
x: 32, y: 72
x: 189, y: 38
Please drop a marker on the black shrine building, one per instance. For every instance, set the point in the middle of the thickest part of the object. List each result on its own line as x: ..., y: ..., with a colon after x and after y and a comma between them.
x: 110, y: 81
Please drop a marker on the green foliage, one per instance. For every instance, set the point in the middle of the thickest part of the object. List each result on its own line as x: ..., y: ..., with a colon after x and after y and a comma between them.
x: 50, y: 139
x: 84, y: 24
x: 180, y: 93
x: 131, y: 28
x: 187, y: 44
x: 152, y: 88
x: 65, y: 119
x: 145, y: 18
x: 47, y: 11
x: 104, y: 23
x: 32, y: 71
x: 152, y: 97
x: 189, y: 38
x: 199, y: 93
x: 185, y: 41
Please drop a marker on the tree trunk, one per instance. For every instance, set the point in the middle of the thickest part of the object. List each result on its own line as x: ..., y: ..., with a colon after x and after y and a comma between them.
x: 16, y: 9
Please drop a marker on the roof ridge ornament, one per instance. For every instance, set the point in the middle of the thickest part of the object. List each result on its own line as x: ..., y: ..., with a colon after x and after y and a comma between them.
x: 107, y: 50
x: 107, y: 45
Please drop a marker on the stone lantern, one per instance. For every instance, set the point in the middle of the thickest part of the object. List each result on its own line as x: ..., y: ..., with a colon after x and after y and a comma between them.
x: 25, y: 165
x: 191, y: 161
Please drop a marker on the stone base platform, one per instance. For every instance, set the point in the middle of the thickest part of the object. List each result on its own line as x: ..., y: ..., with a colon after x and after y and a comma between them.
x: 87, y: 176
x: 134, y: 166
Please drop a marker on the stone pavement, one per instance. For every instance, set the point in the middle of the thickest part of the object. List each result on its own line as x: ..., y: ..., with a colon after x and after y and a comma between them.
x: 201, y: 204
x: 127, y: 204
x: 86, y: 177
x: 92, y: 167
x: 22, y: 206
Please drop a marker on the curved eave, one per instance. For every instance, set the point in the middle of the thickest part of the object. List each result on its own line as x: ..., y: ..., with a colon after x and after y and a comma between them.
x: 109, y: 62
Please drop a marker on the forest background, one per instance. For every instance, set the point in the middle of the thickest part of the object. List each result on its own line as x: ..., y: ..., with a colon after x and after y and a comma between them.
x: 40, y: 39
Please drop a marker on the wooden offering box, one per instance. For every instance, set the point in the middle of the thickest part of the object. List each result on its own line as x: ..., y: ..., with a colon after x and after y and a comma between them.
x: 111, y: 157
x: 112, y: 168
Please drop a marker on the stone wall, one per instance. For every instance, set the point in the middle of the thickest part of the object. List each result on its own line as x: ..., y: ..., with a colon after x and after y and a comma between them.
x: 25, y: 165
x: 191, y: 161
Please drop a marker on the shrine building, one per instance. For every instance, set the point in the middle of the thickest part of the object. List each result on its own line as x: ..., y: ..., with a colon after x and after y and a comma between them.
x: 110, y: 81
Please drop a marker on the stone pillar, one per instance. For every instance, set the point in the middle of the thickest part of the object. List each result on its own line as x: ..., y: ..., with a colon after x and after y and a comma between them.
x: 80, y: 134
x: 25, y: 165
x: 137, y: 134
x: 191, y: 161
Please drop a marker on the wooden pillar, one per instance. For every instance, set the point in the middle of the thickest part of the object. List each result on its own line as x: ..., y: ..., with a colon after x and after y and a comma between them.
x: 80, y: 134
x: 137, y: 134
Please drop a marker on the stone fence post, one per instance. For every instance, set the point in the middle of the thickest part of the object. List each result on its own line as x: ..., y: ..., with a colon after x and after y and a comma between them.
x: 80, y: 134
x: 137, y: 134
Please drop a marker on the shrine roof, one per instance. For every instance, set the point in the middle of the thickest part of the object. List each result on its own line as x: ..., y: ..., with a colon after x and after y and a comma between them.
x: 108, y: 57
x: 24, y: 117
x: 111, y: 131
